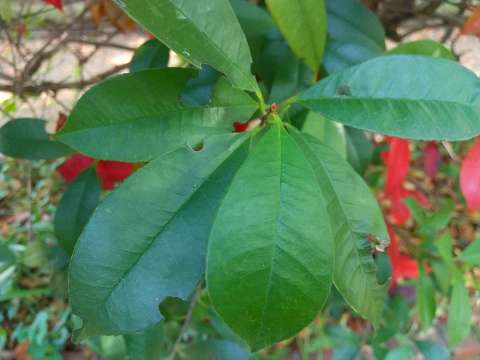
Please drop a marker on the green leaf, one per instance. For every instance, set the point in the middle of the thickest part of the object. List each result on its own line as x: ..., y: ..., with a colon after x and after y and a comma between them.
x: 304, y: 25
x: 354, y: 215
x: 418, y: 212
x: 150, y: 236
x: 75, y: 208
x: 254, y: 20
x: 199, y: 90
x: 7, y: 257
x: 147, y: 345
x: 281, y: 71
x: 215, y: 350
x: 269, y: 262
x: 423, y: 47
x: 426, y: 304
x: 444, y: 246
x: 402, y: 95
x: 355, y: 35
x: 359, y: 149
x: 36, y: 254
x: 150, y: 55
x: 471, y: 254
x: 26, y: 138
x: 328, y: 132
x: 459, y: 314
x: 440, y: 219
x: 138, y: 116
x: 201, y: 31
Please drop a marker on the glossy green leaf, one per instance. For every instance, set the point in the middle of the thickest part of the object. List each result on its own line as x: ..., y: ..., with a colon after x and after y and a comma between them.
x: 359, y: 149
x: 215, y: 350
x: 147, y: 240
x: 201, y: 31
x: 402, y: 95
x: 150, y: 55
x: 199, y: 90
x: 138, y: 116
x: 304, y: 25
x: 471, y: 255
x: 75, y: 208
x: 426, y: 304
x: 328, y: 132
x: 459, y: 314
x: 423, y: 47
x: 354, y: 216
x: 281, y: 71
x: 26, y: 138
x: 355, y: 35
x: 270, y: 255
x: 254, y: 20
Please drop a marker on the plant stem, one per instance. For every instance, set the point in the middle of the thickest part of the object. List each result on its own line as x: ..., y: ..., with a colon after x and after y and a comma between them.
x: 188, y: 320
x: 285, y: 104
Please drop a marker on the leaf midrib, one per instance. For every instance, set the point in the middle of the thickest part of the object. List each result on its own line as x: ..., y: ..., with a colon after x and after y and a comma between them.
x: 275, y: 247
x: 174, y: 216
x: 385, y: 99
x: 233, y: 63
x: 165, y: 114
x: 351, y: 233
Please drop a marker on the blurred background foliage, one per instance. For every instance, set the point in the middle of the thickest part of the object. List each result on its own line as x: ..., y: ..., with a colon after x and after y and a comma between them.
x: 51, y: 51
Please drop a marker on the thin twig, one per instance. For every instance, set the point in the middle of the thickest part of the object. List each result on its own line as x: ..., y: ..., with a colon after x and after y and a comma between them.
x: 36, y: 89
x: 188, y: 319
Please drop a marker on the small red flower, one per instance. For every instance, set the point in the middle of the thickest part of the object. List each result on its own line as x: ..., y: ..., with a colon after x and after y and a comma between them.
x: 55, y: 3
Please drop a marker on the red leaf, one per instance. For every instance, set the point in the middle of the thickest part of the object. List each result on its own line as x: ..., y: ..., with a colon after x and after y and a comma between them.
x: 240, y: 127
x: 71, y: 168
x: 56, y: 3
x: 398, y: 163
x: 470, y: 177
x: 403, y: 266
x: 431, y: 159
x: 472, y: 25
x: 112, y: 172
x: 399, y: 212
